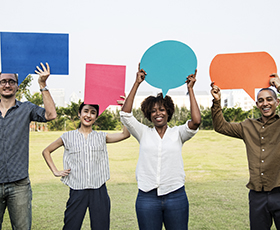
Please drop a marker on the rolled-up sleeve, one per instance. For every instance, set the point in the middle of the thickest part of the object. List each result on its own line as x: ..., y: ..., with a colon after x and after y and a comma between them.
x: 185, y: 132
x: 131, y: 123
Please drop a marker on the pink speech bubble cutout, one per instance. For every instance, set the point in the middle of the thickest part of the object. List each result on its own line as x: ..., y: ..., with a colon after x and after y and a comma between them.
x: 246, y: 71
x: 104, y: 84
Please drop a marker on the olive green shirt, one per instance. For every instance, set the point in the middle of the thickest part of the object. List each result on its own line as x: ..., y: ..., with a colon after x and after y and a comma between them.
x: 262, y: 140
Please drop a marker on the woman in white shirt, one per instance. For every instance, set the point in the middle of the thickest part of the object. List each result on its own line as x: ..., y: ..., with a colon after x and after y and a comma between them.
x: 160, y: 172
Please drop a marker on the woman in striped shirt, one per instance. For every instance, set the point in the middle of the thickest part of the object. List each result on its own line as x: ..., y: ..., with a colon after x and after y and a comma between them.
x: 86, y: 170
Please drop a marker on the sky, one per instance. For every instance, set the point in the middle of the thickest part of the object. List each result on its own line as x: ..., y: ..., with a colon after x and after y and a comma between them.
x: 118, y: 32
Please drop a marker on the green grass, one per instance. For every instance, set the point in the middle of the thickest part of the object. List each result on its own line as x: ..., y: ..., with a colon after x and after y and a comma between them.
x: 216, y: 175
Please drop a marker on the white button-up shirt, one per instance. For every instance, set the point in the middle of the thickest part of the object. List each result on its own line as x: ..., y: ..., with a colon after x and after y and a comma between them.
x: 160, y: 163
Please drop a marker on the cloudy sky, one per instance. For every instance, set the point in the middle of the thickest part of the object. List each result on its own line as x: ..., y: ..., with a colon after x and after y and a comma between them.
x: 120, y: 31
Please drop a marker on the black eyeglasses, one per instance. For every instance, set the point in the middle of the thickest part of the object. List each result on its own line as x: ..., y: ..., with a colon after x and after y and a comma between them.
x: 10, y: 81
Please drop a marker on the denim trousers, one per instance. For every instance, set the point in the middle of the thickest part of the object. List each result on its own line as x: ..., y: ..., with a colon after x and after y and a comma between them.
x: 98, y: 202
x: 172, y: 210
x: 264, y: 207
x: 17, y: 197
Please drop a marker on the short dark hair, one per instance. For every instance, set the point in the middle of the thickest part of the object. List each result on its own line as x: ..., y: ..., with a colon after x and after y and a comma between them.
x: 93, y: 105
x: 16, y: 76
x: 149, y: 102
x: 269, y: 89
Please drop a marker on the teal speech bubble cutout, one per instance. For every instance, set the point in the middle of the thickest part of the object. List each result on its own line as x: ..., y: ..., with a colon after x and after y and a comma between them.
x: 167, y: 64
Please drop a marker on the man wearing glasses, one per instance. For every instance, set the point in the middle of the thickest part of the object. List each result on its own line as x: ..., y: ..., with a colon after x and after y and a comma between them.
x: 15, y: 118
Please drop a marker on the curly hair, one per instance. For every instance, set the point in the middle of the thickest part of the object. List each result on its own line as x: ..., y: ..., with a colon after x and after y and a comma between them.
x: 149, y: 102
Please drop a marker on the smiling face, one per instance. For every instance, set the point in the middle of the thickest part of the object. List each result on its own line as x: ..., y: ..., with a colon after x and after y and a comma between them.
x: 267, y: 104
x: 88, y: 115
x: 159, y: 115
x: 8, y: 85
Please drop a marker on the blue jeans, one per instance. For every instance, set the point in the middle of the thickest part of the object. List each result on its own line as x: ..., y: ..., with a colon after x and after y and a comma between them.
x: 172, y: 210
x: 17, y: 197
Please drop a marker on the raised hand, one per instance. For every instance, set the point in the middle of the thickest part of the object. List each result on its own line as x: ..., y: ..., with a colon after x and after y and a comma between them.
x: 191, y: 79
x: 140, y: 76
x: 274, y: 80
x: 43, y: 72
x: 215, y: 91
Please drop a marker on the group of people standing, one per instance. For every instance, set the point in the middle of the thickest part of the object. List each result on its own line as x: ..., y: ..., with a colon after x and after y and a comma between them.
x: 161, y: 199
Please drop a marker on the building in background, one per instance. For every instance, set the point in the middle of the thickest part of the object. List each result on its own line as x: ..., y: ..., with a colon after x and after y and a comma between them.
x: 237, y: 98
x: 58, y: 96
x: 179, y: 98
x: 230, y: 98
x: 73, y: 97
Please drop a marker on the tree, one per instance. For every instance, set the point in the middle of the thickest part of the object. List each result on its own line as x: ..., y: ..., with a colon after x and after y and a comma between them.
x: 206, y: 118
x: 60, y: 122
x: 36, y: 99
x: 105, y: 121
x: 71, y: 113
x: 23, y: 89
x: 254, y: 113
x: 234, y: 114
x: 138, y: 114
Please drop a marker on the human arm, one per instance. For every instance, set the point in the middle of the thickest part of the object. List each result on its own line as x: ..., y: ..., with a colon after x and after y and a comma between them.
x: 140, y: 77
x: 195, y: 112
x: 219, y: 123
x: 275, y: 81
x: 116, y: 137
x: 44, y: 73
x: 47, y: 156
x: 215, y: 91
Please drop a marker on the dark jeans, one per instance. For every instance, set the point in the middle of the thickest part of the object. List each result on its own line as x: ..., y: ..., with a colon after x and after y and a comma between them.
x: 172, y: 210
x: 16, y: 196
x: 98, y: 202
x: 264, y: 206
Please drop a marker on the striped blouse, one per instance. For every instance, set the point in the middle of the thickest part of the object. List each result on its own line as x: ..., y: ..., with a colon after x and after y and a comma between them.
x: 87, y: 159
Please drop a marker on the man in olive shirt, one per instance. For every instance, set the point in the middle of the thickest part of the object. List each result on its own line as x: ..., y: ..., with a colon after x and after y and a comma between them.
x: 262, y: 139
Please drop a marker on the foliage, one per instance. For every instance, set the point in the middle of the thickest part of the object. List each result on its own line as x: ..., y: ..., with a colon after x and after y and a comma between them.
x: 138, y: 114
x: 67, y: 117
x: 105, y: 121
x: 36, y: 98
x: 60, y: 122
x: 255, y: 112
x: 180, y: 116
x: 71, y: 113
x: 234, y: 114
x: 23, y: 90
x: 206, y: 119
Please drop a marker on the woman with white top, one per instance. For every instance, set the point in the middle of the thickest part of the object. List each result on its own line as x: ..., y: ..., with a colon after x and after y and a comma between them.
x: 160, y: 171
x: 86, y: 170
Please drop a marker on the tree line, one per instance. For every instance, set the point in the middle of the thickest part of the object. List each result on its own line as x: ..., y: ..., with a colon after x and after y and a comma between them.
x: 67, y: 117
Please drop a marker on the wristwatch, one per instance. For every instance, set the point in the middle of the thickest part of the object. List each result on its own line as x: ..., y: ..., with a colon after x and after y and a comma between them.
x: 45, y: 89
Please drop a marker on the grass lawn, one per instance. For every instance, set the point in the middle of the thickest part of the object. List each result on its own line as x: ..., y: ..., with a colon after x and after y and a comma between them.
x: 216, y: 175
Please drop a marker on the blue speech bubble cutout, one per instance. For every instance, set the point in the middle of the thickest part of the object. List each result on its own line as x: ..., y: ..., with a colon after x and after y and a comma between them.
x: 167, y: 64
x: 22, y: 52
